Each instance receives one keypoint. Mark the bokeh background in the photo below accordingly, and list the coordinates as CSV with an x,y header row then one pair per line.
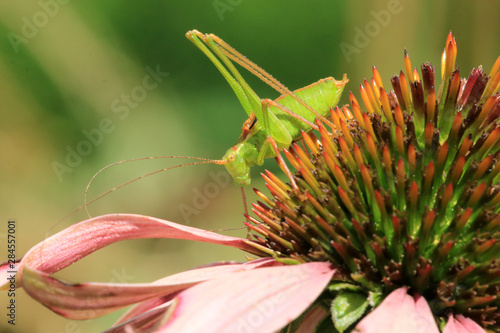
x,y
70,68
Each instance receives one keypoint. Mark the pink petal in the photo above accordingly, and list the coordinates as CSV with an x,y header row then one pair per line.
x,y
195,275
313,318
262,300
91,300
399,312
7,272
461,324
80,240
145,322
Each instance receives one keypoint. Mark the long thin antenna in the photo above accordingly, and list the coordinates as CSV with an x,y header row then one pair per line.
x,y
86,203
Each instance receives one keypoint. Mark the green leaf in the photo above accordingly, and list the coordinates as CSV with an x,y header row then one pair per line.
x,y
339,286
347,308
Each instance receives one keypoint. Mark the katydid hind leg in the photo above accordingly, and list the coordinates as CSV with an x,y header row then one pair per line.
x,y
264,76
197,38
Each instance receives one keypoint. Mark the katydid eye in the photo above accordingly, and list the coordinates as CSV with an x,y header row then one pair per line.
x,y
231,158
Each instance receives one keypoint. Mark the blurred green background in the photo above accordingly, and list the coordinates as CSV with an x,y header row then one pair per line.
x,y
67,67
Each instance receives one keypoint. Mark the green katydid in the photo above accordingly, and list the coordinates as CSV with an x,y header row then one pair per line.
x,y
271,126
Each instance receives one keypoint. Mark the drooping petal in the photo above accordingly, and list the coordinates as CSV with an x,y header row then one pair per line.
x,y
312,319
8,272
91,300
262,300
461,324
81,239
144,322
400,312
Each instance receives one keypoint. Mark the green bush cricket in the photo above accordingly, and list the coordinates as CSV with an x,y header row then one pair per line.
x,y
271,126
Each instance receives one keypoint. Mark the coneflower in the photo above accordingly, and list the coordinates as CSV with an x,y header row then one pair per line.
x,y
405,195
394,228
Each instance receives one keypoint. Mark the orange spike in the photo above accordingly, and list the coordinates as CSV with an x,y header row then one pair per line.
x,y
428,222
365,98
386,105
302,156
488,106
412,158
371,96
335,119
494,82
399,140
408,67
380,203
454,87
319,208
386,157
462,221
347,134
358,156
442,155
457,170
367,179
309,178
429,176
277,182
416,76
368,126
329,149
346,153
483,248
465,146
455,126
400,172
429,132
372,148
398,116
347,201
413,193
478,193
331,164
448,193
490,141
358,115
405,90
345,114
493,225
339,176
376,89
377,78
431,106
449,57
495,68
264,198
291,159
309,142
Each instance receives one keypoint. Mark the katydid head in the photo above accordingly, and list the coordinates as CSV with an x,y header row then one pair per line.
x,y
237,167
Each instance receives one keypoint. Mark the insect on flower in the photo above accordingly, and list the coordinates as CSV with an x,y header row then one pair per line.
x,y
271,125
